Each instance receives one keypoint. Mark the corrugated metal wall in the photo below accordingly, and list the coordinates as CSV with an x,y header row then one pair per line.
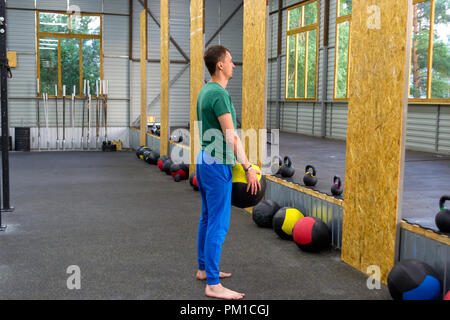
x,y
230,36
329,213
434,253
179,92
22,87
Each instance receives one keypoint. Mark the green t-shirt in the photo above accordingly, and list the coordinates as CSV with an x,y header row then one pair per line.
x,y
213,101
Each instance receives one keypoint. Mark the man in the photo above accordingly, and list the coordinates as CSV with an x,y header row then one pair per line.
x,y
216,112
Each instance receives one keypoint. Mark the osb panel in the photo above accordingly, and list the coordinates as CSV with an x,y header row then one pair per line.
x,y
254,66
143,48
425,232
196,70
164,114
375,133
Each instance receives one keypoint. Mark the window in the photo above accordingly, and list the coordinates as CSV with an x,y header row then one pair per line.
x,y
302,42
343,18
69,52
430,52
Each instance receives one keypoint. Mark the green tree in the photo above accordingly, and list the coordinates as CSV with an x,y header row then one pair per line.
x,y
420,48
343,30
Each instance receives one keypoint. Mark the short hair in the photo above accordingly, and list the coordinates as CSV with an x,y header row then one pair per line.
x,y
213,55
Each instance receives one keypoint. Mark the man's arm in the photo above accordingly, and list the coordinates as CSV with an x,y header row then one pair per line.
x,y
234,142
232,139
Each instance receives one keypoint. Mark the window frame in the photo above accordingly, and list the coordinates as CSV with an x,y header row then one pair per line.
x,y
305,29
339,20
428,99
68,35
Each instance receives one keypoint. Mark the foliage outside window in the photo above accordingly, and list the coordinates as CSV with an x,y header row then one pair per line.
x,y
302,42
69,51
430,51
343,19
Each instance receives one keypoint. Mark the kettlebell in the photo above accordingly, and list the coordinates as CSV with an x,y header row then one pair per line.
x,y
138,150
277,163
336,188
443,216
310,178
166,166
287,170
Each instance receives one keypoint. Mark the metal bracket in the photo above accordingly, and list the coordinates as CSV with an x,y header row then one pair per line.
x,y
4,64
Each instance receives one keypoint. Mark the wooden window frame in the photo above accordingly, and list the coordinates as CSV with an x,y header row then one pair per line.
x,y
68,35
428,99
339,20
297,31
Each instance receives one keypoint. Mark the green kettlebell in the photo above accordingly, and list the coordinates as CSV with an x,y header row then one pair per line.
x,y
287,170
442,218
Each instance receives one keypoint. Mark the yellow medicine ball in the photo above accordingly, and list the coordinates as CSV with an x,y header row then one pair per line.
x,y
239,196
284,221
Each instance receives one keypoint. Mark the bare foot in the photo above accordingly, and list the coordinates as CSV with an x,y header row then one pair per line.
x,y
220,292
201,275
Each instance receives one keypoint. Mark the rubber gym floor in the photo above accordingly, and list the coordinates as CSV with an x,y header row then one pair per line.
x,y
132,231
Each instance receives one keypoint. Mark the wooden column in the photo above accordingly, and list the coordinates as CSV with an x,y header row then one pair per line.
x,y
254,70
164,114
143,50
197,41
379,65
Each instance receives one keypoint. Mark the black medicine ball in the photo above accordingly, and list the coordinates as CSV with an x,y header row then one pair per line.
x,y
263,213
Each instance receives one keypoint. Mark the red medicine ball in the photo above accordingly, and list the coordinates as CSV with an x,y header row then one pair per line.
x,y
311,234
193,181
447,296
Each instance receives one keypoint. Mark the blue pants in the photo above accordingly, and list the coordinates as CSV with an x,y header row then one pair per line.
x,y
214,182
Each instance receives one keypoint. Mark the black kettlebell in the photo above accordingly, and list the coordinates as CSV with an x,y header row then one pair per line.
x,y
145,154
336,188
138,150
287,170
443,216
310,178
166,167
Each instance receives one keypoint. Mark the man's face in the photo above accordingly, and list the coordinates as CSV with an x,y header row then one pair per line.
x,y
226,65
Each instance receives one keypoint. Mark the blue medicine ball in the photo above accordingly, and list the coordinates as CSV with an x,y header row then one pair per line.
x,y
413,280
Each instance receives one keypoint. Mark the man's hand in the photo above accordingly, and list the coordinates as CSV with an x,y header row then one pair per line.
x,y
252,181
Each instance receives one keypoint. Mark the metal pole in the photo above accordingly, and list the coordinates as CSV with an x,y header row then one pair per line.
x,y
64,118
56,109
38,115
89,120
5,72
97,115
72,117
280,24
82,117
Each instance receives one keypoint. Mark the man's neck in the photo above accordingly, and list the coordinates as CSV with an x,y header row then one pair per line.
x,y
220,80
